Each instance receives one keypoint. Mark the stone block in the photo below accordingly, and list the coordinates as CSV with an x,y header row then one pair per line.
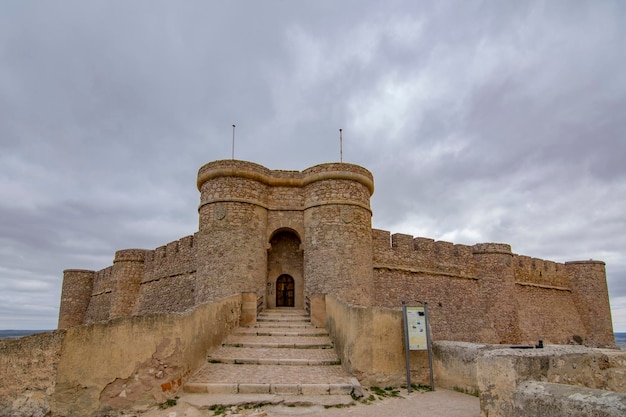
x,y
285,389
195,388
254,388
315,389
544,399
340,389
221,388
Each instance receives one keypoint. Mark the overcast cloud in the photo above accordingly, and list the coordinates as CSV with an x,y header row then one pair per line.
x,y
481,122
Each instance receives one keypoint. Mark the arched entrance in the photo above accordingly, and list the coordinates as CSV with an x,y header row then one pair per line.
x,y
285,291
285,284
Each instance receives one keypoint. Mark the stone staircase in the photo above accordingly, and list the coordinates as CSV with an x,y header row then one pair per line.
x,y
282,354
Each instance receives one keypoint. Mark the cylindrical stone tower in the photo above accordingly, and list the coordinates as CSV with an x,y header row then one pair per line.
x,y
127,275
75,297
497,279
338,232
231,241
591,295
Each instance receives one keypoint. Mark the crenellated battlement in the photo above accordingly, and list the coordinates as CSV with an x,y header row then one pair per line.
x,y
495,248
402,251
533,271
103,281
171,259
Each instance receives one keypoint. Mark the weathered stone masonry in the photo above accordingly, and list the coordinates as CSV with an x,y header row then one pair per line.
x,y
314,228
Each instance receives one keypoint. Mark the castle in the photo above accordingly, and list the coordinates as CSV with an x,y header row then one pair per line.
x,y
287,236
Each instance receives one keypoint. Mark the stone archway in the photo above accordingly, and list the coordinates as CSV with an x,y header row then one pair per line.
x,y
285,266
285,291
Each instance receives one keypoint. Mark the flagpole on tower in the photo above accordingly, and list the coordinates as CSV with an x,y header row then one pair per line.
x,y
340,145
233,142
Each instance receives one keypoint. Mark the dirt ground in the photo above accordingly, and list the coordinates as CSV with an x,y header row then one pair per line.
x,y
440,403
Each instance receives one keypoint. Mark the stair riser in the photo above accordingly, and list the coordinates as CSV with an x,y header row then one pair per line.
x,y
282,333
284,312
282,389
291,362
279,345
274,325
294,321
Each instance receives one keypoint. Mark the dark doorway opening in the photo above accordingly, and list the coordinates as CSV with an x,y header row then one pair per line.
x,y
285,291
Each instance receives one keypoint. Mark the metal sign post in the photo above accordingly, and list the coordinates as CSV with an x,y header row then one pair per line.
x,y
430,346
406,347
417,337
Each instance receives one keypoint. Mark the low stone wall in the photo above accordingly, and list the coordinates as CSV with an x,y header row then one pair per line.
x,y
510,382
544,399
138,361
502,373
370,344
27,373
129,363
455,365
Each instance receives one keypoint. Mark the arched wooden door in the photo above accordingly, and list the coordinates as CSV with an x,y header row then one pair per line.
x,y
285,289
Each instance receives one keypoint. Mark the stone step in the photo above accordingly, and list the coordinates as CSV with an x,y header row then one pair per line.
x,y
282,355
205,401
297,342
283,324
281,331
284,312
277,318
217,378
268,356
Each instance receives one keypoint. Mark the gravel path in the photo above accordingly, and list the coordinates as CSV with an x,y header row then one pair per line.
x,y
441,403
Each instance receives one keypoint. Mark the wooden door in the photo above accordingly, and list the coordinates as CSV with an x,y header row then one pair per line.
x,y
285,291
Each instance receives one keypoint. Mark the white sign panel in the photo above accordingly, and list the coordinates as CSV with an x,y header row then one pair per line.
x,y
416,323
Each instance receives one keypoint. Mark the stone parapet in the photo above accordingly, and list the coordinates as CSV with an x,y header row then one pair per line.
x,y
503,376
543,399
283,178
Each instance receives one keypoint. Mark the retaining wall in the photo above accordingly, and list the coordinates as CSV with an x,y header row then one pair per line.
x,y
370,344
128,363
28,368
571,377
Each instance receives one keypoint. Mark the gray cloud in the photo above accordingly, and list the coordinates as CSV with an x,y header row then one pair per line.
x,y
480,121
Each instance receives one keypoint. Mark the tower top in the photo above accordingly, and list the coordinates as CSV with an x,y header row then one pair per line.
x,y
285,178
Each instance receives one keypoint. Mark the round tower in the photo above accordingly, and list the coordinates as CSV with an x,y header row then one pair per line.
x,y
231,240
497,278
127,275
75,297
338,232
591,295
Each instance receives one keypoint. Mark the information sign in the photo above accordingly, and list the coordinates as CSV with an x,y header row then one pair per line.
x,y
417,337
416,322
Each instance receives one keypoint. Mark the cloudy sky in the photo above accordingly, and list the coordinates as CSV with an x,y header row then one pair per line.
x,y
481,122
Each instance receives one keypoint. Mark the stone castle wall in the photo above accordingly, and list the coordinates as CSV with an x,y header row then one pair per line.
x,y
168,282
256,224
485,293
101,298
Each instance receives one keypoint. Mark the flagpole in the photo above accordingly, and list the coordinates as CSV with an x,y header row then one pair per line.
x,y
341,145
233,155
